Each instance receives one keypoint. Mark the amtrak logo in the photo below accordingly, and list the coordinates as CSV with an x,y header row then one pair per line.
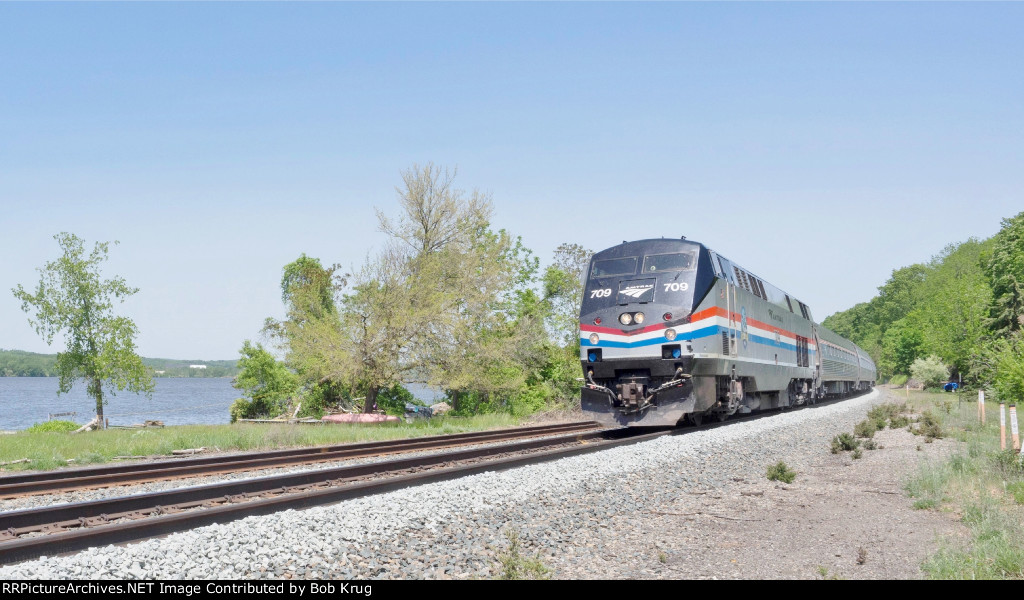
x,y
636,291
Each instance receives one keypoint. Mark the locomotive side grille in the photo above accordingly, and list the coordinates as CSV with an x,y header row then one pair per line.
x,y
725,342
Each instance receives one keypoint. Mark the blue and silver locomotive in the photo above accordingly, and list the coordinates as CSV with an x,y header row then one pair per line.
x,y
670,331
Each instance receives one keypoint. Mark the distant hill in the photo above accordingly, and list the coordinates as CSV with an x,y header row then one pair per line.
x,y
18,363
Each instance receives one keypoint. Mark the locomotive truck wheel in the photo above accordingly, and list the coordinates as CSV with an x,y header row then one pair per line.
x,y
695,418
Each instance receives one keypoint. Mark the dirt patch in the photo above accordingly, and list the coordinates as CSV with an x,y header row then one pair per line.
x,y
841,518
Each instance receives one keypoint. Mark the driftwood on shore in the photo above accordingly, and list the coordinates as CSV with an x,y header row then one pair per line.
x,y
15,462
89,426
188,451
139,425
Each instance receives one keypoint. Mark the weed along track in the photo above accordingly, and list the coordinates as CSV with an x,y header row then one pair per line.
x,y
14,486
27,534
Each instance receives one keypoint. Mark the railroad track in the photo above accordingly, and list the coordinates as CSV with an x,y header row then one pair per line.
x,y
13,486
28,534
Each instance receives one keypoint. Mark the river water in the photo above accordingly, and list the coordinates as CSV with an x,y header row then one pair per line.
x,y
176,401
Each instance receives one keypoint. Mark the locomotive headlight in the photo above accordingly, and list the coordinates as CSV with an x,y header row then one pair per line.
x,y
594,339
638,318
670,334
625,318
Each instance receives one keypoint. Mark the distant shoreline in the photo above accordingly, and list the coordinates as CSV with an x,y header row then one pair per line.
x,y
19,363
155,376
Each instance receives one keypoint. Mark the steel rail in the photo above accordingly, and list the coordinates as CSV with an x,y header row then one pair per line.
x,y
295,491
36,483
333,488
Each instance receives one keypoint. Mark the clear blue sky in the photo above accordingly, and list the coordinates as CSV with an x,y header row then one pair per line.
x,y
819,145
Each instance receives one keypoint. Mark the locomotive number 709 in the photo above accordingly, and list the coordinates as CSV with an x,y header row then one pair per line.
x,y
676,287
601,293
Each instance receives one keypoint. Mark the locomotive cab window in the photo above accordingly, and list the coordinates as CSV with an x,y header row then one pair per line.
x,y
614,266
655,263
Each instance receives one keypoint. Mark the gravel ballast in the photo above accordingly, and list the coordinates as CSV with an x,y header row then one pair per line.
x,y
645,510
85,495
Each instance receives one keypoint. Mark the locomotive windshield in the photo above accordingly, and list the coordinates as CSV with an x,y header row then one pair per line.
x,y
614,266
684,261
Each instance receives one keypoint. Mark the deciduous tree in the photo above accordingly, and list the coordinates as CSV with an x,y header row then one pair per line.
x,y
74,300
1006,275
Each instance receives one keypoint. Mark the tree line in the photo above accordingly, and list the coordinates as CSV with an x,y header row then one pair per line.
x,y
19,363
448,301
964,309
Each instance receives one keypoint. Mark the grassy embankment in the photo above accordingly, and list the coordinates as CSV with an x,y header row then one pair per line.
x,y
980,484
51,450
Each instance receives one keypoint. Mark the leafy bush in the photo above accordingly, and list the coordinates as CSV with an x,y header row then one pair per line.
x,y
252,409
899,422
844,442
865,429
929,426
870,445
267,383
51,426
930,371
1009,376
889,410
857,453
898,380
315,400
780,472
392,400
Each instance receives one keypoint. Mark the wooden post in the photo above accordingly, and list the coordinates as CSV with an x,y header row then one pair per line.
x,y
1013,428
908,392
981,405
1002,426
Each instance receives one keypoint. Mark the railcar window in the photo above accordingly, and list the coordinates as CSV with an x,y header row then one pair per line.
x,y
655,263
614,266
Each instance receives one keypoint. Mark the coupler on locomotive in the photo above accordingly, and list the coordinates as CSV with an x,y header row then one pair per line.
x,y
632,400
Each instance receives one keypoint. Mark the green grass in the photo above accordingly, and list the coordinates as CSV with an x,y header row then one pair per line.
x,y
51,450
981,484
